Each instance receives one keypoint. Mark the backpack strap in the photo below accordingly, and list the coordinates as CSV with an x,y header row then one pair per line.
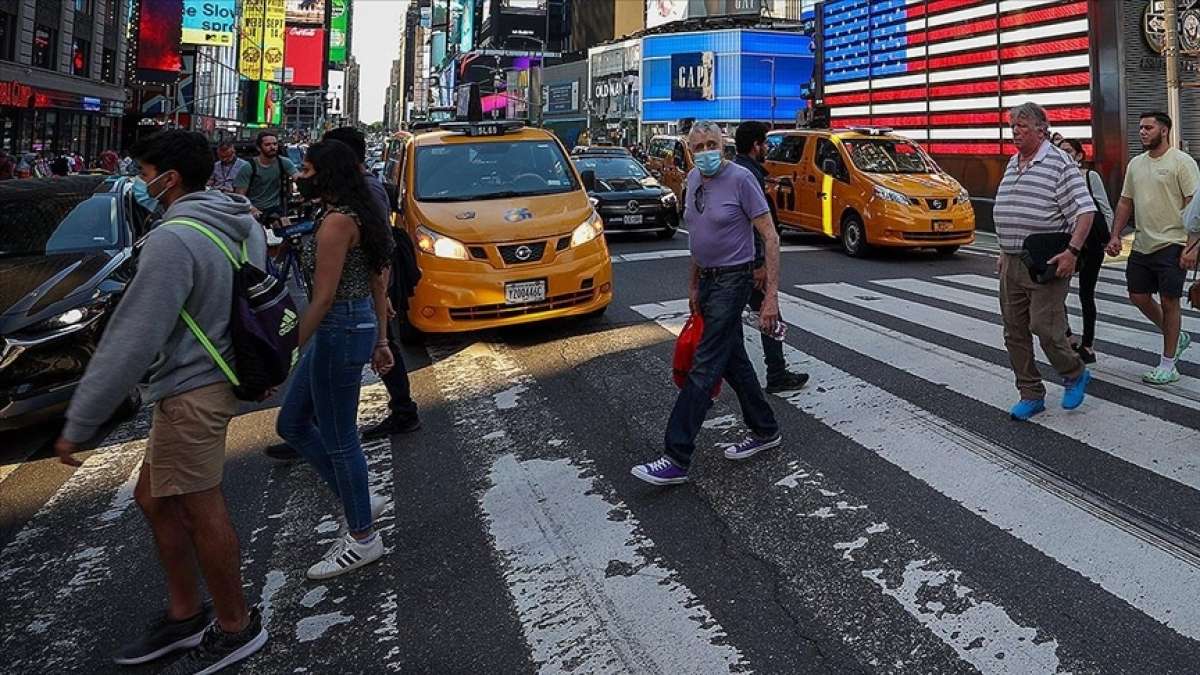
x,y
204,229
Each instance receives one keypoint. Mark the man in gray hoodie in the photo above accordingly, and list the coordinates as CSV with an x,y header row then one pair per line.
x,y
179,487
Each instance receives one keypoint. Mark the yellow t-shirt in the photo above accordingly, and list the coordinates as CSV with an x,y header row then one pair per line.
x,y
1158,188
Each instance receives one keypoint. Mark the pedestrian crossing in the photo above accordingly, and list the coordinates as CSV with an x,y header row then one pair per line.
x,y
907,525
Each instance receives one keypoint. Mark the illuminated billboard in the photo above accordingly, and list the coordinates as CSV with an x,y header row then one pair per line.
x,y
339,19
158,38
260,54
263,103
306,12
659,12
209,22
946,75
304,56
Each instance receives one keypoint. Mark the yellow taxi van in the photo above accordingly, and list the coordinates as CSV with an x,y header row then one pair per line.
x,y
669,159
867,188
503,228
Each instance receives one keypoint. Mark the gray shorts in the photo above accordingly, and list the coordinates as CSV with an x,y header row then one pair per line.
x,y
1158,272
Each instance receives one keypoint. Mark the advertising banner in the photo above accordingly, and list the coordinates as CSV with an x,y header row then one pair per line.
x,y
339,17
337,92
562,98
693,76
209,22
273,41
303,56
263,103
254,13
158,38
659,12
306,12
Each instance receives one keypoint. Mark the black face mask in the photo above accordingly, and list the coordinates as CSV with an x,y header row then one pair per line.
x,y
307,187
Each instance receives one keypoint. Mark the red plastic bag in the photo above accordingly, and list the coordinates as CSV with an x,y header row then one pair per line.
x,y
685,351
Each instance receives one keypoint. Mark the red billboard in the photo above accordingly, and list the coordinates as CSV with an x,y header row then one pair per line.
x,y
304,56
159,31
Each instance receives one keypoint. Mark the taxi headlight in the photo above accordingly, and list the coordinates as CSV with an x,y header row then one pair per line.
x,y
963,197
588,230
440,245
891,195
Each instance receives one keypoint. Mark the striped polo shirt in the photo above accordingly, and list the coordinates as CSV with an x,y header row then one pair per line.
x,y
1047,197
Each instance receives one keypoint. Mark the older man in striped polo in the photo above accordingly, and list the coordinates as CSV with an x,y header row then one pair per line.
x,y
1042,191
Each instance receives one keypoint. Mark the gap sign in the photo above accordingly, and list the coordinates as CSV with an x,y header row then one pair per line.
x,y
209,22
693,76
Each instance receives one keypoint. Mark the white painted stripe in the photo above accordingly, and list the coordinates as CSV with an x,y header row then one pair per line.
x,y
982,633
974,103
1114,273
1079,61
978,42
1113,429
639,256
1079,96
850,111
964,74
892,108
1118,371
986,9
1122,310
1044,31
966,134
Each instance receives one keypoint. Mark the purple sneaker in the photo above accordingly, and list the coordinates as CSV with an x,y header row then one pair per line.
x,y
752,446
661,471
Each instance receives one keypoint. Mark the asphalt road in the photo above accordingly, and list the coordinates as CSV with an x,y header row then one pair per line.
x,y
905,526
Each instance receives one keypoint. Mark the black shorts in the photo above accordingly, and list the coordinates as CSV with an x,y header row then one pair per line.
x,y
1157,272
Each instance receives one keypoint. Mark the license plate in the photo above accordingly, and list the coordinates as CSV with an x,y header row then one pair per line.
x,y
632,220
943,225
523,292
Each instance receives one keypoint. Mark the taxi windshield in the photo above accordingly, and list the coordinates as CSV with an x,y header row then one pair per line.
x,y
459,172
887,156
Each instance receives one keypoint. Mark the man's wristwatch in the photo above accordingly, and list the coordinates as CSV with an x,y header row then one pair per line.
x,y
1074,251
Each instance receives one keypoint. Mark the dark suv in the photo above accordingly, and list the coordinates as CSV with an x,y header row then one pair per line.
x,y
626,196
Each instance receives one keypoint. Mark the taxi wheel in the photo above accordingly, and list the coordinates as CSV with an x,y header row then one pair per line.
x,y
946,251
854,237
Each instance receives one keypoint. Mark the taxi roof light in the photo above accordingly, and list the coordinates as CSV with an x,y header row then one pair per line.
x,y
496,128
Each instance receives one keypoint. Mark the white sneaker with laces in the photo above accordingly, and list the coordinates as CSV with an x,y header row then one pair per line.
x,y
379,504
347,554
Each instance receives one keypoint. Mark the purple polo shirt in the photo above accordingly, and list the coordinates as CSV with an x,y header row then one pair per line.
x,y
723,235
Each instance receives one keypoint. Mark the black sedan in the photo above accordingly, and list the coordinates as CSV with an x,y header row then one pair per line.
x,y
66,254
627,196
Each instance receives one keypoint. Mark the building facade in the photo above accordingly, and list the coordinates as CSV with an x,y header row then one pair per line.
x,y
353,71
62,75
564,97
614,96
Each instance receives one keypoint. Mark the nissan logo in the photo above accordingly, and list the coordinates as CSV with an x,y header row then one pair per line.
x,y
523,253
939,204
632,206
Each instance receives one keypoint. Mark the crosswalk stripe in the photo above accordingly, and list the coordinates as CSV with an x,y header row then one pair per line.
x,y
1123,372
978,473
552,527
1121,310
639,256
1121,291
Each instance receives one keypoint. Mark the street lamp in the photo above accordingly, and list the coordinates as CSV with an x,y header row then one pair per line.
x,y
772,62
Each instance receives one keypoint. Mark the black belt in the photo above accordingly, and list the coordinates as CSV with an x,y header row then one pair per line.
x,y
728,269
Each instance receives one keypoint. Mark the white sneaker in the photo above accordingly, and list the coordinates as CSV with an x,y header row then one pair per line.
x,y
379,504
347,554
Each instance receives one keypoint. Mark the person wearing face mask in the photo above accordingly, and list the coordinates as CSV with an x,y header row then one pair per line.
x,y
226,168
1093,250
751,140
725,207
179,485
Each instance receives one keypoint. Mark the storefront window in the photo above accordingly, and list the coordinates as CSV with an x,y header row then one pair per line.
x,y
8,36
81,57
44,41
85,6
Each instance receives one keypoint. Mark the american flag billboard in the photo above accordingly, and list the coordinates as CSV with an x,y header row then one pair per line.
x,y
946,72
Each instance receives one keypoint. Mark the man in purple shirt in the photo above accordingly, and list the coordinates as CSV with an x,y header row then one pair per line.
x,y
725,207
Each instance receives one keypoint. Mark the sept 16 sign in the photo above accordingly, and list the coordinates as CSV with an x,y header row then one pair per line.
x,y
693,76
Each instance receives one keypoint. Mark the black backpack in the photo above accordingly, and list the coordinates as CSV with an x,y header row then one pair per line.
x,y
263,325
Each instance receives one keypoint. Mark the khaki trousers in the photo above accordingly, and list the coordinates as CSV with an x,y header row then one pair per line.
x,y
1029,309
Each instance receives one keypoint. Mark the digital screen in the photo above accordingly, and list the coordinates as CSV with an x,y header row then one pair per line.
x,y
303,56
339,19
947,75
209,22
158,36
307,12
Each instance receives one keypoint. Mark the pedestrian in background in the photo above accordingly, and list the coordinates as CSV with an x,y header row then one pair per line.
x,y
1093,250
226,168
61,166
109,162
179,485
751,141
343,329
1159,185
727,206
1042,191
267,179
7,166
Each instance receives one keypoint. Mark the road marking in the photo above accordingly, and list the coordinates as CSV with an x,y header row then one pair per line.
x,y
684,253
979,631
588,593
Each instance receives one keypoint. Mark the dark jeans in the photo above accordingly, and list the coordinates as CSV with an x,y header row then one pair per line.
x,y
721,354
399,394
772,348
319,416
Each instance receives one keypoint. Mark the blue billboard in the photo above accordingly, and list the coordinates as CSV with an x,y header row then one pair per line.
x,y
731,70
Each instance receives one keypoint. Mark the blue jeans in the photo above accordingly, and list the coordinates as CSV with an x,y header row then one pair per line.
x,y
319,416
721,354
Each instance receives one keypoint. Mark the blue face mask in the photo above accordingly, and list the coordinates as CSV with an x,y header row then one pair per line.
x,y
709,162
141,193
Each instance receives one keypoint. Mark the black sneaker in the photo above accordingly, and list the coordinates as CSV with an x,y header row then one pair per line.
x,y
789,381
281,452
164,636
391,425
219,649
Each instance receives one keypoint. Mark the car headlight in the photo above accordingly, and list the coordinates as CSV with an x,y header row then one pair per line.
x,y
71,319
668,199
891,195
963,197
440,245
588,230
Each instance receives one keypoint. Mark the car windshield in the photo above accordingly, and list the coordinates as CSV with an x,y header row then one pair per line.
x,y
887,156
460,172
40,229
613,173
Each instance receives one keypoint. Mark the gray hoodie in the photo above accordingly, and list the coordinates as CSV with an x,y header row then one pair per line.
x,y
178,268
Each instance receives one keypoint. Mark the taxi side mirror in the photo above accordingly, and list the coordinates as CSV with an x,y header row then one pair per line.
x,y
589,180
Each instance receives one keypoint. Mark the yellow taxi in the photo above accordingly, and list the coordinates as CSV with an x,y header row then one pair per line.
x,y
504,231
868,188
